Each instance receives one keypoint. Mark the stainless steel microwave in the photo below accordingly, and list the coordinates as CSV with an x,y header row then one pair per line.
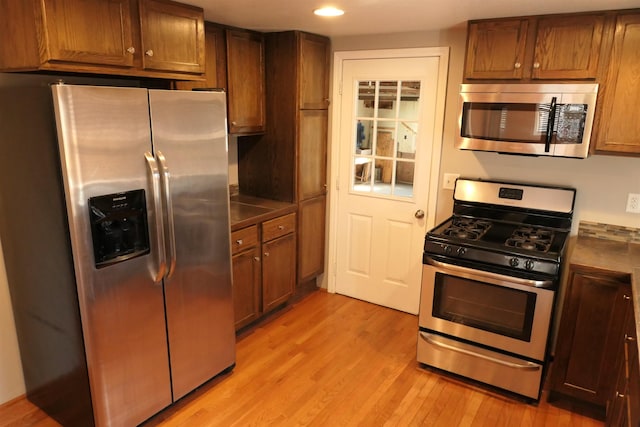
x,y
527,119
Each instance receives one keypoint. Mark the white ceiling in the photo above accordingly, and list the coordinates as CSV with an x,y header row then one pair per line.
x,y
383,16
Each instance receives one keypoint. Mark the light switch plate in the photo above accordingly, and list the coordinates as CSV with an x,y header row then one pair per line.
x,y
449,181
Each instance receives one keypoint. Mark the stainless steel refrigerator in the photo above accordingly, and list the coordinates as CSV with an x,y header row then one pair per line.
x,y
114,220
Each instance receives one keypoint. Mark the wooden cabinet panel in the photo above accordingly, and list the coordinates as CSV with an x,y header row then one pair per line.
x,y
87,31
589,339
246,286
246,81
313,63
215,61
147,38
278,271
617,124
172,37
495,49
244,239
312,158
567,47
311,238
277,227
559,47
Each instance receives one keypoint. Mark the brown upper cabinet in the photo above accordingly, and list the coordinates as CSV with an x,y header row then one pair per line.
x,y
617,127
557,47
215,70
245,82
149,38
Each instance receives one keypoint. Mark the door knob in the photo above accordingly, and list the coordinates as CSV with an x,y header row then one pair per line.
x,y
419,214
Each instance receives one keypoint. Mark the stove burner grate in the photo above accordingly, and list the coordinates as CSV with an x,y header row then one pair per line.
x,y
531,239
467,228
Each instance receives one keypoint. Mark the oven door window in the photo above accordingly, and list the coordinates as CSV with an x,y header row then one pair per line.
x,y
497,309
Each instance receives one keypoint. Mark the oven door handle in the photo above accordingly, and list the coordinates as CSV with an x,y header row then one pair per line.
x,y
526,366
488,274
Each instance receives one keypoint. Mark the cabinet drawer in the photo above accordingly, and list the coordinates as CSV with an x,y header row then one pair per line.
x,y
278,227
244,239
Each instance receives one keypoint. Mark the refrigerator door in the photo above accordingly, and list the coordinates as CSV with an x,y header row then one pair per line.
x,y
190,143
103,134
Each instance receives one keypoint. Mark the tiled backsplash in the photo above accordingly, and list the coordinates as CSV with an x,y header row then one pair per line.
x,y
609,232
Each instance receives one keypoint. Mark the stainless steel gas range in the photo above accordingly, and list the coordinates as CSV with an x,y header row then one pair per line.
x,y
490,277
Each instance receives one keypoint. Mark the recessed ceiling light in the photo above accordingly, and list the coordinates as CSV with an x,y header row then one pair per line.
x,y
329,11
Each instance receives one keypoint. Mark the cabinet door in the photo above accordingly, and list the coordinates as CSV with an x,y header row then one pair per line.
x,y
313,65
87,31
246,82
215,61
590,338
278,271
617,124
495,50
246,287
312,153
311,241
172,37
567,47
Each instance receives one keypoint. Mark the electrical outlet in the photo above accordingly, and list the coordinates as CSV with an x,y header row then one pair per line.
x,y
633,203
449,181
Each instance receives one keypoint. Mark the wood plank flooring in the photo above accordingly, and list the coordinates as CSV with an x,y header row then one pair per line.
x,y
330,360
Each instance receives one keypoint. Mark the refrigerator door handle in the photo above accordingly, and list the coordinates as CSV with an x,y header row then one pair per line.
x,y
171,238
161,260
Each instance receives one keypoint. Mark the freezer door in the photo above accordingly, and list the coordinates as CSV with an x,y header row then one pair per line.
x,y
103,133
190,143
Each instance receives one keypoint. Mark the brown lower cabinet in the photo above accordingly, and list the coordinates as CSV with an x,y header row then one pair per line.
x,y
264,267
623,408
590,341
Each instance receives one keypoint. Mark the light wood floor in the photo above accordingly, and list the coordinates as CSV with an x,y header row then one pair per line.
x,y
334,361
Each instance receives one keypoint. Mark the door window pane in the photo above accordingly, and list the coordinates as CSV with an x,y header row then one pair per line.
x,y
385,137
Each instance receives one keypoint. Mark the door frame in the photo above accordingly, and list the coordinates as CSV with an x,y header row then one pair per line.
x,y
442,53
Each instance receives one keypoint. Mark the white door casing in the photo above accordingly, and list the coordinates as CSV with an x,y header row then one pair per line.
x,y
375,238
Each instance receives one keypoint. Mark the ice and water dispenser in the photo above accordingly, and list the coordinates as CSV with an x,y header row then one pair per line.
x,y
118,227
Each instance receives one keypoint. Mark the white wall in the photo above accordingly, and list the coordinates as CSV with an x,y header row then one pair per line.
x,y
11,380
602,182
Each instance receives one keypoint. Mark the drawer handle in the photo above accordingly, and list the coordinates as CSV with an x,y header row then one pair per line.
x,y
239,241
281,227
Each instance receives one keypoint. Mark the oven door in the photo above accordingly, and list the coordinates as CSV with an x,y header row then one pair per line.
x,y
501,312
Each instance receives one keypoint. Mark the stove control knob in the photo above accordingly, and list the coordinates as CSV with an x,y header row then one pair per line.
x,y
461,251
513,262
447,249
529,264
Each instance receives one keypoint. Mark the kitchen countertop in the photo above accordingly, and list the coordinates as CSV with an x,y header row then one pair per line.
x,y
613,257
249,210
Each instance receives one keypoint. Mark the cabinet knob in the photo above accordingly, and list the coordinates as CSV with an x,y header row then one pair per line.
x,y
517,65
149,52
234,123
536,65
626,297
629,338
281,227
256,258
266,254
131,50
620,395
239,241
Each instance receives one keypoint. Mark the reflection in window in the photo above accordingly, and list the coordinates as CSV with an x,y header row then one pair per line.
x,y
385,137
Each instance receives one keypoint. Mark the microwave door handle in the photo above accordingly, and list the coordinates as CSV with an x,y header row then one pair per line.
x,y
550,124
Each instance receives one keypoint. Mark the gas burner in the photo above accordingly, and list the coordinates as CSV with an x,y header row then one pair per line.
x,y
467,228
531,239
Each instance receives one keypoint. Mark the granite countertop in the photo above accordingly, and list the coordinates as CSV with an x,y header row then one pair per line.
x,y
249,210
615,250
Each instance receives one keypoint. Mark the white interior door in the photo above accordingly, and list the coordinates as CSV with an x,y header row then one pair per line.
x,y
390,126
